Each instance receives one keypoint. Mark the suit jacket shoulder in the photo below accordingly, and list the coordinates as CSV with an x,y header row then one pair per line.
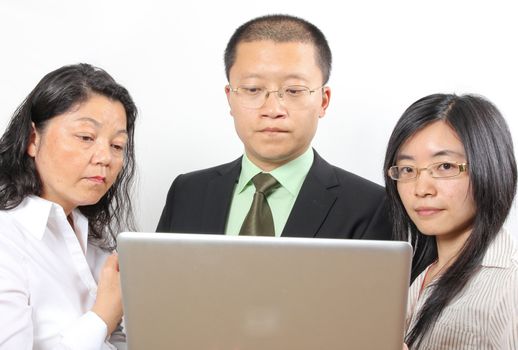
x,y
335,203
199,201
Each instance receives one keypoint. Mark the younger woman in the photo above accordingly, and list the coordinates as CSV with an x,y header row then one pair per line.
x,y
450,175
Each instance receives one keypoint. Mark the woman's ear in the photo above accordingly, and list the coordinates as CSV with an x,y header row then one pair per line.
x,y
34,141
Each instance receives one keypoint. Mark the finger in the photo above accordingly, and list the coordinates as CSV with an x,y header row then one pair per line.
x,y
112,262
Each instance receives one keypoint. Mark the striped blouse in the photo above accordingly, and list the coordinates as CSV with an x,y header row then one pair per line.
x,y
484,315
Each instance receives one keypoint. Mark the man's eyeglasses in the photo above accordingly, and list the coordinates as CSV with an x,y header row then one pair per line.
x,y
437,170
292,97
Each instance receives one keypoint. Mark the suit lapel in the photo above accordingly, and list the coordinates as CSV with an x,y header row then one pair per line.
x,y
218,198
314,201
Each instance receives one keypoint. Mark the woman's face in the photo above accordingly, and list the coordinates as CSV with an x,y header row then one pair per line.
x,y
79,153
438,206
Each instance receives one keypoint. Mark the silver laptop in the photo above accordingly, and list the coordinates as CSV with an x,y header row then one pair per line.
x,y
215,292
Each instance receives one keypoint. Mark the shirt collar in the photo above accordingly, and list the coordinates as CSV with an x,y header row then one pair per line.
x,y
248,171
290,175
80,228
41,211
33,214
500,251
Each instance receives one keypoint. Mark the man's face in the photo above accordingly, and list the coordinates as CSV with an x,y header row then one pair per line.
x,y
275,133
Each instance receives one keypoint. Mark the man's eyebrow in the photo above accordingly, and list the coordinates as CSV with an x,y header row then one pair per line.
x,y
286,77
296,76
251,75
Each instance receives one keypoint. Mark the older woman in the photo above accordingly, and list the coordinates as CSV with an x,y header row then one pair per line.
x,y
66,168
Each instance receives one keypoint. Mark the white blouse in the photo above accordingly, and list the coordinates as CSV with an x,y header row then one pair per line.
x,y
484,315
48,280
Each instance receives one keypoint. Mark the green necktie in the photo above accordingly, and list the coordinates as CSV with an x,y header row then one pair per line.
x,y
259,220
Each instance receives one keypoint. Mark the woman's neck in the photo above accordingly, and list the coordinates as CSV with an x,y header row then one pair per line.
x,y
449,247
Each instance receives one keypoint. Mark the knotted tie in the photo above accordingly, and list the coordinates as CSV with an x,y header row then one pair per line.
x,y
259,220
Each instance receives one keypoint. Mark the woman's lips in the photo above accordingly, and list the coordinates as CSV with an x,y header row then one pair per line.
x,y
427,211
97,179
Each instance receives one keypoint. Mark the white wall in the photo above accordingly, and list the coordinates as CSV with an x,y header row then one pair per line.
x,y
169,55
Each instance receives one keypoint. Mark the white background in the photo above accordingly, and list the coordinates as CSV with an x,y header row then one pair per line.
x,y
169,55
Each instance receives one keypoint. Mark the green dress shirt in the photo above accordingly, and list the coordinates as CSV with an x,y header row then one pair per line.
x,y
290,176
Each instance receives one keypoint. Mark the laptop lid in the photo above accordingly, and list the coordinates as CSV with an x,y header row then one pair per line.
x,y
215,292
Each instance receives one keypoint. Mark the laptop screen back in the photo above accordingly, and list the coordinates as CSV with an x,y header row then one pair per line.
x,y
183,291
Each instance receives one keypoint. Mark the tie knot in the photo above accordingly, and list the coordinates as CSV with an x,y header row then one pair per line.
x,y
264,183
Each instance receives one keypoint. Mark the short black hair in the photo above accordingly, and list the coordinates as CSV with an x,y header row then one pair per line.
x,y
281,28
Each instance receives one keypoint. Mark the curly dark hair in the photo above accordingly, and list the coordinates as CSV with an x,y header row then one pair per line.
x,y
55,94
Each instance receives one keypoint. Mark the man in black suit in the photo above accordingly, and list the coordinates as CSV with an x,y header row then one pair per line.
x,y
277,67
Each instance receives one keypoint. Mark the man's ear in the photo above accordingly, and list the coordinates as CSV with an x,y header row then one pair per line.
x,y
34,141
326,97
227,93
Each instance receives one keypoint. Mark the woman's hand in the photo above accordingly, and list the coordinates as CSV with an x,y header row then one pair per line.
x,y
405,347
108,305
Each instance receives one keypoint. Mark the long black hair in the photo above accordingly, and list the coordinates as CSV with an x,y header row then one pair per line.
x,y
492,173
56,93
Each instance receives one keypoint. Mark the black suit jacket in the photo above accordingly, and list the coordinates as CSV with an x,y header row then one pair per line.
x,y
332,203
